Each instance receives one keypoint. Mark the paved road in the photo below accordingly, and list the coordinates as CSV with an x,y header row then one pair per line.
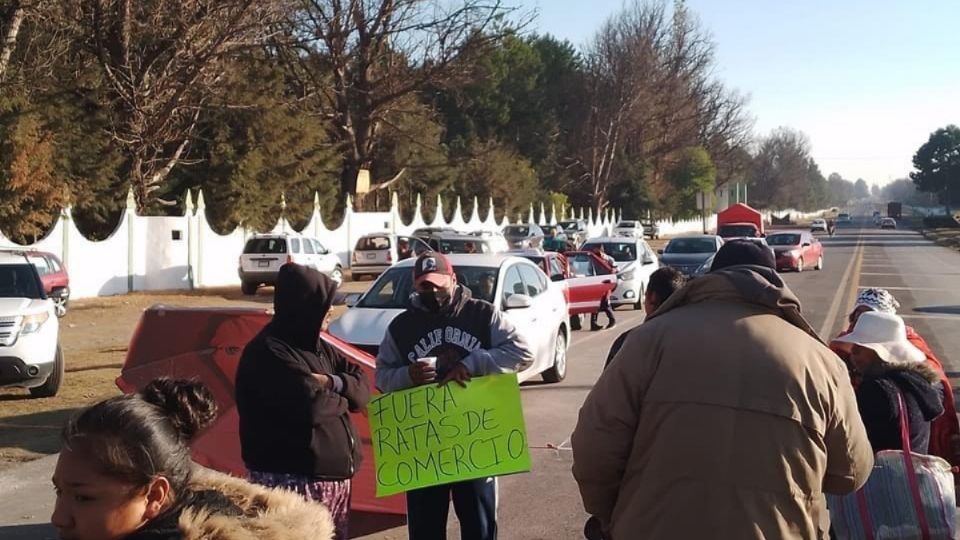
x,y
544,503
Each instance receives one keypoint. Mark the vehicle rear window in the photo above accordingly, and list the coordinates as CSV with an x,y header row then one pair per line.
x,y
691,245
374,243
517,231
627,225
19,281
463,246
393,289
620,251
783,239
266,245
737,230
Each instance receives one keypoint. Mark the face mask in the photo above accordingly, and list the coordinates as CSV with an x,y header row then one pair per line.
x,y
435,300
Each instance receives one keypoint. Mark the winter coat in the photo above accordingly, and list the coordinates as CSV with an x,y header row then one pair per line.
x,y
723,416
879,408
945,429
289,422
222,507
472,331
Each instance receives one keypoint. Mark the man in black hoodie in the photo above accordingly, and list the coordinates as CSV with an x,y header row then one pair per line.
x,y
467,337
294,394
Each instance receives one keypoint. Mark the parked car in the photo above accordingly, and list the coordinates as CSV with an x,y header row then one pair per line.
x,y
844,219
651,230
576,230
628,228
56,281
459,243
529,235
584,278
692,255
888,223
264,254
496,240
635,261
794,250
818,225
516,286
30,353
376,252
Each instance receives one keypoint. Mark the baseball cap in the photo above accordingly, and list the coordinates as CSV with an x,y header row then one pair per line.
x,y
737,252
434,268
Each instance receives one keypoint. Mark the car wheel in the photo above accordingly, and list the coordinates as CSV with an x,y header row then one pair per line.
x,y
337,275
576,321
248,288
800,265
60,306
559,370
820,263
638,305
51,386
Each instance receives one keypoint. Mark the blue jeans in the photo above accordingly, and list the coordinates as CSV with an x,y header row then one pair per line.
x,y
474,501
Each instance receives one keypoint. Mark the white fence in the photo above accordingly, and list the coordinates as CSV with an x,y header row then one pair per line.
x,y
184,252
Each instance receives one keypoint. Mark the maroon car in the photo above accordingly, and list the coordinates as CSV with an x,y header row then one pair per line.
x,y
56,281
796,250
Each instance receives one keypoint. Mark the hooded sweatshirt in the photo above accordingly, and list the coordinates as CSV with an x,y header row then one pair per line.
x,y
877,400
289,422
471,330
724,407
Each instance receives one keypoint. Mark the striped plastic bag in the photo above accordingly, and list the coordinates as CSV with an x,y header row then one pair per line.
x,y
908,496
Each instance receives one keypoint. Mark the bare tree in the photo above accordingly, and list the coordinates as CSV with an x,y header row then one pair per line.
x,y
358,61
161,61
12,14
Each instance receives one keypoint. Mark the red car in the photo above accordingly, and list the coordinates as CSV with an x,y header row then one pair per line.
x,y
796,250
56,281
207,347
586,279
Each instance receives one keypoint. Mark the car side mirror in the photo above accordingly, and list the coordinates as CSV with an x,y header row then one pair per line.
x,y
517,301
352,299
807,244
659,252
557,277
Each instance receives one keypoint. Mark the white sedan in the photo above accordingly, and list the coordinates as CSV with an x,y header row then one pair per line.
x,y
635,261
516,286
818,225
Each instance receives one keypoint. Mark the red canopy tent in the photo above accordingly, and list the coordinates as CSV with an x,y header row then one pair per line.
x,y
740,213
205,344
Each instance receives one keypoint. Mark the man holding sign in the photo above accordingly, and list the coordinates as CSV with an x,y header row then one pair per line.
x,y
448,336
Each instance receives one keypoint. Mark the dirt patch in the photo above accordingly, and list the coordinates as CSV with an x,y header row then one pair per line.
x,y
949,238
94,336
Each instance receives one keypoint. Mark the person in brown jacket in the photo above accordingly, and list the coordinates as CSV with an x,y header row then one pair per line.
x,y
723,416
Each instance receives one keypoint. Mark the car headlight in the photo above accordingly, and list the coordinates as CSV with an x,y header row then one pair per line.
x,y
32,323
626,276
703,268
794,253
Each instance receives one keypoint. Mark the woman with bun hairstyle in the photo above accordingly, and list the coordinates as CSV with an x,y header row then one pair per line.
x,y
125,472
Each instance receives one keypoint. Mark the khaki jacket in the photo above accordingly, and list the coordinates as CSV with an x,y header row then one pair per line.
x,y
723,416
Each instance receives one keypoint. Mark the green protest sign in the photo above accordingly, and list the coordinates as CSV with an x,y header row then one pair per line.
x,y
433,435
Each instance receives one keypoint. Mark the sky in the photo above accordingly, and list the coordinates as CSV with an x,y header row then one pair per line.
x,y
866,81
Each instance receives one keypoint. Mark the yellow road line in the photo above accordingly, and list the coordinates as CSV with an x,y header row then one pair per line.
x,y
848,284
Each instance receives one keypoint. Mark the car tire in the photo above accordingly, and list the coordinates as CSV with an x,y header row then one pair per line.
x,y
337,275
60,305
638,305
576,321
800,265
819,263
51,386
558,371
248,288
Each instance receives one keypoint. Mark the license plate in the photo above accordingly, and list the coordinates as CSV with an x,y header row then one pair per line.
x,y
371,255
263,264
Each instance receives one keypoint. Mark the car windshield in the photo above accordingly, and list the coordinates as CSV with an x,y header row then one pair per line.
x,y
463,246
569,225
627,225
516,230
19,281
393,289
783,239
729,231
620,251
266,245
691,245
373,243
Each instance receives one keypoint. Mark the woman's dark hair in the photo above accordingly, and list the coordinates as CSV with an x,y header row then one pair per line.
x,y
664,282
135,438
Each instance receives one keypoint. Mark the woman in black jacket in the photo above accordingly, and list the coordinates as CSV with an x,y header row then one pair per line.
x,y
294,395
888,366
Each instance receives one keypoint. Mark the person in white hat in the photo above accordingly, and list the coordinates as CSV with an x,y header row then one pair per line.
x,y
945,430
887,364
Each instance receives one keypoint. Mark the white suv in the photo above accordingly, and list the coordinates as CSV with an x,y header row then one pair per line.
x,y
264,254
30,355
